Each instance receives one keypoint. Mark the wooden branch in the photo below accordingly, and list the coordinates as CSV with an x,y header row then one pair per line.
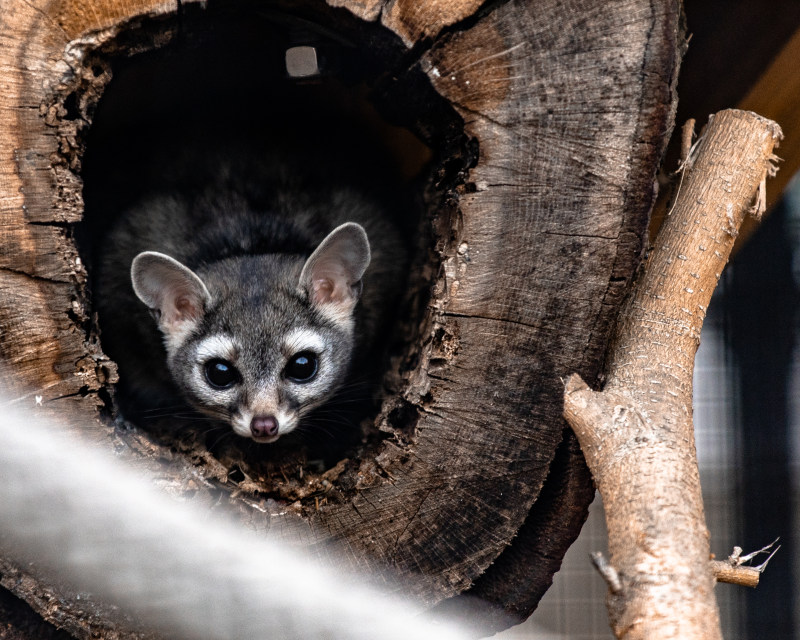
x,y
776,94
735,574
637,434
734,571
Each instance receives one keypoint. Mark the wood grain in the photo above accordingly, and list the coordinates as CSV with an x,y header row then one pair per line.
x,y
565,108
414,21
557,202
637,433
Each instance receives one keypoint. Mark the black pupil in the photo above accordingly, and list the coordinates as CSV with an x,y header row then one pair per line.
x,y
301,367
221,374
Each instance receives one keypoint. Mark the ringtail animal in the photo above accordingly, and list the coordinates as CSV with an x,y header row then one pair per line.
x,y
253,306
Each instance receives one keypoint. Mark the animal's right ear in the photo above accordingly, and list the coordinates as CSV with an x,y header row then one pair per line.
x,y
176,295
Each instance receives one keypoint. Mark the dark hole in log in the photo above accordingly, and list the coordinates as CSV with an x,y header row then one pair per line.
x,y
216,77
71,107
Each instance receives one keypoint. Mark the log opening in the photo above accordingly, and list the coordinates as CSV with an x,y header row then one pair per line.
x,y
538,209
215,84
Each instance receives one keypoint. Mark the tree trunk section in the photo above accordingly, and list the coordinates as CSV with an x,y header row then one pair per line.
x,y
562,111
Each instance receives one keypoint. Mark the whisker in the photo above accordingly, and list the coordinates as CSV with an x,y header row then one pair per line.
x,y
163,408
182,417
220,439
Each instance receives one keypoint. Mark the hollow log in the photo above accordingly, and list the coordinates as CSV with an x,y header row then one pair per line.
x,y
548,121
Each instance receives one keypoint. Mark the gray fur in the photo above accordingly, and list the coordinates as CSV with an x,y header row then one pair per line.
x,y
249,278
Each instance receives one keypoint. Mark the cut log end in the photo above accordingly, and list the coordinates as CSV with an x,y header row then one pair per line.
x,y
523,260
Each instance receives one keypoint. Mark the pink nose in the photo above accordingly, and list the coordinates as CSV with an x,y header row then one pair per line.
x,y
264,426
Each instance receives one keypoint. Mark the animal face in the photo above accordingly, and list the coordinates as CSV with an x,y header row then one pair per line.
x,y
250,342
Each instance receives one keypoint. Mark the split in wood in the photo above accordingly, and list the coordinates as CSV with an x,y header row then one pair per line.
x,y
687,137
607,572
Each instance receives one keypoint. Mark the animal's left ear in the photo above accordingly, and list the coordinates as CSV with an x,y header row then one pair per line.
x,y
331,276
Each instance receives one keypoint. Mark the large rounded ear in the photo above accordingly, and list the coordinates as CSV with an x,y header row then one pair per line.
x,y
172,291
331,276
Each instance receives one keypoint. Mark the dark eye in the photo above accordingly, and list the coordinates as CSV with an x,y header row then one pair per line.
x,y
221,374
301,367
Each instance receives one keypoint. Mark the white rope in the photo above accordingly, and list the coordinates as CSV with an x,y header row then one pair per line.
x,y
82,516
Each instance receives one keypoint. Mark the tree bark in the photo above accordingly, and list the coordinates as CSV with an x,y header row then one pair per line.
x,y
637,434
550,122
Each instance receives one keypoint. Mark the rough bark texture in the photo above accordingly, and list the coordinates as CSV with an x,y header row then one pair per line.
x,y
724,571
637,434
566,106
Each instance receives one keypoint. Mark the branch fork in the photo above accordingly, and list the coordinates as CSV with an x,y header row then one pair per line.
x,y
637,434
